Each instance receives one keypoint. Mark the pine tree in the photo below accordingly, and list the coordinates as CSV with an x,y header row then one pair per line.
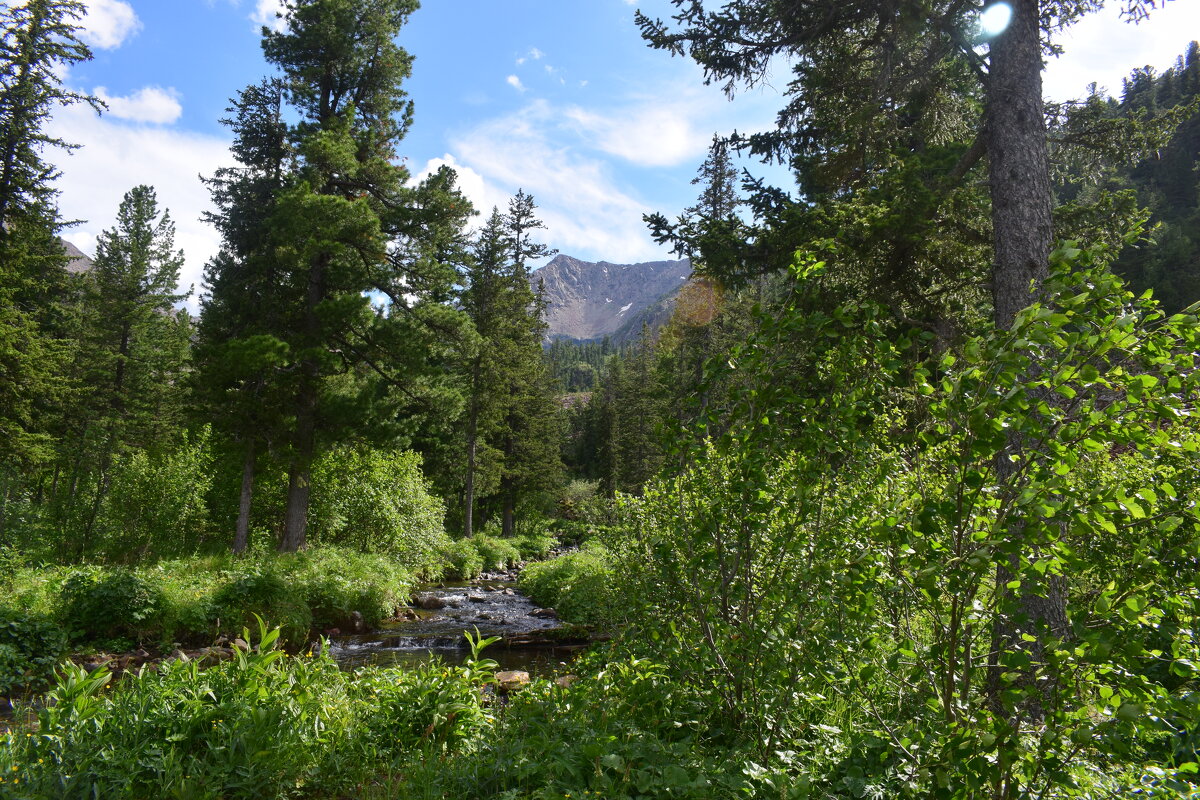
x,y
338,221
239,357
38,40
639,411
133,355
717,177
532,428
486,298
513,418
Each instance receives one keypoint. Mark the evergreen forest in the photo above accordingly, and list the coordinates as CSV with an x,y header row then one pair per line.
x,y
902,502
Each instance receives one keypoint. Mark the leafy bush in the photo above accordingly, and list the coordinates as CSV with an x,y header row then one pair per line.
x,y
157,503
534,546
335,582
464,560
625,729
113,608
30,649
989,575
579,586
377,501
581,501
497,553
263,725
192,600
262,591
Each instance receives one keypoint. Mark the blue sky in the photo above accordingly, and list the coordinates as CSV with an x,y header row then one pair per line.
x,y
559,97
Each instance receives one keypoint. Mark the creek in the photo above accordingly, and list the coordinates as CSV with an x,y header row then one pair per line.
x,y
530,639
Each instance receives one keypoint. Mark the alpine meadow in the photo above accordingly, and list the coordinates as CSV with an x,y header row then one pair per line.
x,y
721,399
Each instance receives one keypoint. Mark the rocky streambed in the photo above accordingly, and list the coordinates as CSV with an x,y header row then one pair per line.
x,y
531,638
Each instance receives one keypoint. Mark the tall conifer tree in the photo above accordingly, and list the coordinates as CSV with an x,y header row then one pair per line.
x,y
341,222
513,434
38,39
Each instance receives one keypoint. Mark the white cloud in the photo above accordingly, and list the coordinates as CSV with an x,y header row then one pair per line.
x,y
1103,48
586,211
649,135
270,13
533,53
108,23
515,82
483,196
148,104
115,157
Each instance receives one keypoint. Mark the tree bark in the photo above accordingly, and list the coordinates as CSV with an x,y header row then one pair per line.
x,y
241,537
1019,165
1019,171
472,446
307,397
508,521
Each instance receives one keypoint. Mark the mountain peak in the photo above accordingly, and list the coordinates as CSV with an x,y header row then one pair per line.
x,y
592,299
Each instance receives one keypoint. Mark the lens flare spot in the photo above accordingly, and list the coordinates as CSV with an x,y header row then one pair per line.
x,y
995,18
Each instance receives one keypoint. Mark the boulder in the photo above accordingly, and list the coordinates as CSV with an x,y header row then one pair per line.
x,y
511,680
430,602
544,613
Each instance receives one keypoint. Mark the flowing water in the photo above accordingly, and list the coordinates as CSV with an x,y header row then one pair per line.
x,y
494,608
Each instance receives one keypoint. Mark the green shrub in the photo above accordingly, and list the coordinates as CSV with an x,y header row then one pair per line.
x,y
575,533
579,586
336,582
264,725
625,729
192,600
30,649
377,501
114,608
581,501
157,503
535,546
464,560
496,553
263,592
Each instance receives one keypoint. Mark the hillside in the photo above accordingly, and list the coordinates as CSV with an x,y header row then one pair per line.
x,y
590,300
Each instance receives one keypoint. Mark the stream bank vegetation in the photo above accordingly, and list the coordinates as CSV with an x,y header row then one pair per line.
x,y
902,502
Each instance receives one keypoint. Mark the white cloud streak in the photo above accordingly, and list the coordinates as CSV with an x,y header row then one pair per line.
x,y
270,13
107,24
114,157
585,210
1104,49
649,135
515,82
148,104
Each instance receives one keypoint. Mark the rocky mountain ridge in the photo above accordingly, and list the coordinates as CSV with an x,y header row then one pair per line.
x,y
590,300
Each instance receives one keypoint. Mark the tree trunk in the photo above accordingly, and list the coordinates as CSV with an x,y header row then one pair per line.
x,y
295,527
307,397
1019,168
241,537
1019,165
472,445
508,523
